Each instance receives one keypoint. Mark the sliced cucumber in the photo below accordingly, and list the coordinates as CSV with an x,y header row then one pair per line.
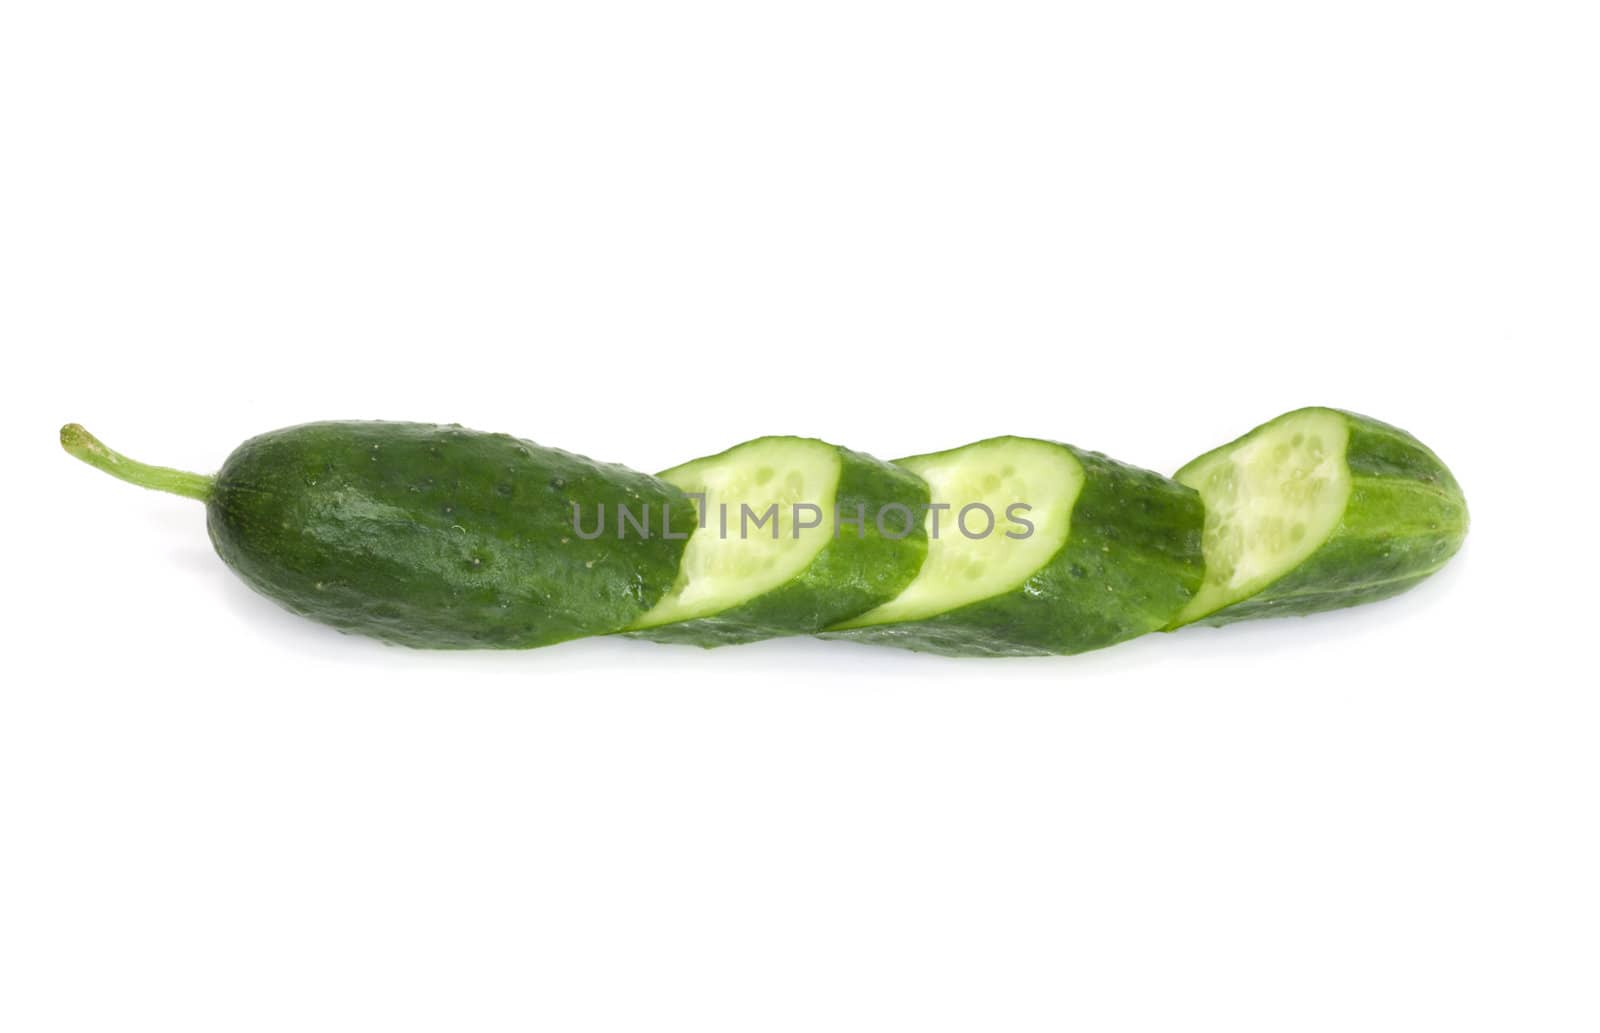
x,y
1083,552
772,555
1317,510
429,536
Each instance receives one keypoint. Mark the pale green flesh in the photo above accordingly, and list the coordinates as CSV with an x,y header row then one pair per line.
x,y
1271,501
729,563
961,569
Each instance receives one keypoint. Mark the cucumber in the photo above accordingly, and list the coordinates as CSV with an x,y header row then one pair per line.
x,y
1319,509
430,536
440,537
1083,552
844,533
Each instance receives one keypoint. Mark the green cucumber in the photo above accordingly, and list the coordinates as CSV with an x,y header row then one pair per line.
x,y
430,536
1319,509
795,534
1083,552
440,537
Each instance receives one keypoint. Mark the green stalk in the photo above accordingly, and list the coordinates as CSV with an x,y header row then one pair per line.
x,y
86,446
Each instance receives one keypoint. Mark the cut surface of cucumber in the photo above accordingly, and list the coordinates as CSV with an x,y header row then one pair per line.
x,y
1113,552
769,557
996,475
1319,509
728,561
1271,501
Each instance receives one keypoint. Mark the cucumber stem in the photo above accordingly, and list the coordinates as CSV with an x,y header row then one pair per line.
x,y
86,446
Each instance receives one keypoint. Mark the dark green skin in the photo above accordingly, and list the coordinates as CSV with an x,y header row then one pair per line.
x,y
851,575
439,537
1406,517
1131,561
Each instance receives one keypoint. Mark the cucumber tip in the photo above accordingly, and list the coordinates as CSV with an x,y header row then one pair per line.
x,y
74,437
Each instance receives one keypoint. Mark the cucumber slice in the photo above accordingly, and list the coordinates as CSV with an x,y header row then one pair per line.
x,y
1317,510
1099,553
439,537
771,556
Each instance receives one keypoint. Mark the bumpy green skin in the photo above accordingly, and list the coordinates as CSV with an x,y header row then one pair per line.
x,y
1131,561
851,575
440,537
1406,517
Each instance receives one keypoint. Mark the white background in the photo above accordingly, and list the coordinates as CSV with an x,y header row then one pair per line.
x,y
647,231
